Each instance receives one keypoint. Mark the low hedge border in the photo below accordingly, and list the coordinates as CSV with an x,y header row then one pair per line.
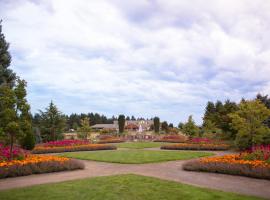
x,y
227,168
197,147
90,147
39,168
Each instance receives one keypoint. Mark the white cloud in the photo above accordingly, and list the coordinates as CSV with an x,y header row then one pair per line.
x,y
146,58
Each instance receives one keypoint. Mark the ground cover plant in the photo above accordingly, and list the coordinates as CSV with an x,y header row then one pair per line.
x,y
253,163
124,187
139,145
135,156
173,138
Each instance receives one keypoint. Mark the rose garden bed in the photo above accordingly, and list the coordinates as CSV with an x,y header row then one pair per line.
x,y
172,139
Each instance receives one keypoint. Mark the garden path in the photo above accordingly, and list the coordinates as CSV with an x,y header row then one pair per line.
x,y
171,170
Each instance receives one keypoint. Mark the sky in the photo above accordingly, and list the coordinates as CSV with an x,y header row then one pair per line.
x,y
145,58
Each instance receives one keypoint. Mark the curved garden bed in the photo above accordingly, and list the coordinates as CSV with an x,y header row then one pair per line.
x,y
198,147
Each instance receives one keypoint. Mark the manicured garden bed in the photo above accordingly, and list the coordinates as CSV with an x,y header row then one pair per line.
x,y
70,146
254,163
198,146
139,145
110,139
125,187
172,139
135,156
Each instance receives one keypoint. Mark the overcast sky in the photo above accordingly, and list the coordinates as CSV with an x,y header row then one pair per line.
x,y
150,58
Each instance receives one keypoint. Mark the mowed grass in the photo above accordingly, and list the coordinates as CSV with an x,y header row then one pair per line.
x,y
135,156
140,145
120,187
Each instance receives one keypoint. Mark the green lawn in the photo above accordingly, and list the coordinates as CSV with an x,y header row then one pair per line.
x,y
139,145
135,156
120,187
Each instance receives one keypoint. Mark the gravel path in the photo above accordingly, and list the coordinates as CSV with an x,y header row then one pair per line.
x,y
171,170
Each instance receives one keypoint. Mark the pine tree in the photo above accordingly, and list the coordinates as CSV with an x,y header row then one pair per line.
x,y
7,76
190,127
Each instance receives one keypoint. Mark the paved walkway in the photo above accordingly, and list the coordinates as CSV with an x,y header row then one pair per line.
x,y
171,170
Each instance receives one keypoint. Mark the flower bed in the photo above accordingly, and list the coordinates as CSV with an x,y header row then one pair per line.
x,y
37,164
63,143
199,146
109,139
87,147
252,163
172,139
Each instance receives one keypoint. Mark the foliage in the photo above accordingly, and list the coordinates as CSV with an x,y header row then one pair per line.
x,y
217,118
190,127
121,123
156,124
248,123
36,164
15,117
164,126
139,145
266,101
83,147
28,141
85,128
51,122
7,76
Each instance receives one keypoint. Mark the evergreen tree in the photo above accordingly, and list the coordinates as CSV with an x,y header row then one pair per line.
x,y
15,117
121,123
7,76
156,124
164,126
190,127
52,123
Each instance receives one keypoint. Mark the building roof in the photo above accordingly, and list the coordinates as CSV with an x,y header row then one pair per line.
x,y
108,126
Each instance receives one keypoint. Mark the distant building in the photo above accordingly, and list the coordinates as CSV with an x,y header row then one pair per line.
x,y
130,125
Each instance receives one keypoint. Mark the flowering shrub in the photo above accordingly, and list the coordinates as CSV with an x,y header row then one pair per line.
x,y
172,138
18,153
261,152
59,149
36,164
64,143
238,164
198,146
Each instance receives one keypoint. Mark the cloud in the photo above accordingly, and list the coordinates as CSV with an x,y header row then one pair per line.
x,y
143,58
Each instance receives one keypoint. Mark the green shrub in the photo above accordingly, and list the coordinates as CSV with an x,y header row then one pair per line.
x,y
29,141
